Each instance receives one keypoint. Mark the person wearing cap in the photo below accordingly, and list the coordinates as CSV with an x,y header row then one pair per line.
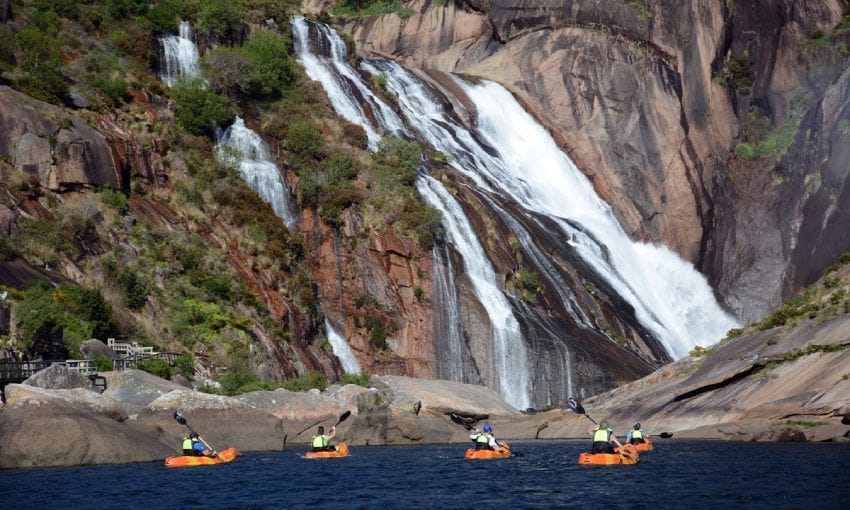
x,y
602,439
637,436
321,442
484,440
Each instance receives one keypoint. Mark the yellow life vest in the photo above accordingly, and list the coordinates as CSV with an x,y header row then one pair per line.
x,y
187,443
320,441
483,438
637,434
601,435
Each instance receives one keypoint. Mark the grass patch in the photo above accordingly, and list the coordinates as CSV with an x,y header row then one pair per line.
x,y
362,379
805,423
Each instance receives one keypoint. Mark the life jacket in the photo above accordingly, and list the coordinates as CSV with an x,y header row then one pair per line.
x,y
601,435
320,441
187,443
637,434
483,438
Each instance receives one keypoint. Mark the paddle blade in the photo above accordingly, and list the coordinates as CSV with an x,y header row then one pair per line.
x,y
575,406
666,435
343,417
179,417
460,421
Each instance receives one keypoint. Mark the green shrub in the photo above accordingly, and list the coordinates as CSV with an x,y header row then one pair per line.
x,y
164,16
68,312
199,110
114,199
229,71
418,293
216,19
304,140
40,62
405,12
306,382
362,379
134,289
274,68
185,366
103,364
155,366
6,250
745,151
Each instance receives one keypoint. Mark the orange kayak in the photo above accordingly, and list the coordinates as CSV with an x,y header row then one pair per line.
x,y
499,453
643,447
187,460
627,455
341,451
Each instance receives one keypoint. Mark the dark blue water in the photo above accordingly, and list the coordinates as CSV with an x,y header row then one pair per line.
x,y
676,474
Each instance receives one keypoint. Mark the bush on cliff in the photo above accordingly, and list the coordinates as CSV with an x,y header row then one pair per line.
x,y
362,379
199,110
306,382
70,312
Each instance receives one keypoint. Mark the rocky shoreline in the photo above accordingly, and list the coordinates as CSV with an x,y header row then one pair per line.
x,y
132,420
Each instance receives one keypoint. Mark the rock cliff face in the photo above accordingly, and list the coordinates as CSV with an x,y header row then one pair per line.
x,y
650,100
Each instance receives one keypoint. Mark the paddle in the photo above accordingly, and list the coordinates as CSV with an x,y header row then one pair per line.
x,y
460,421
344,416
577,408
182,421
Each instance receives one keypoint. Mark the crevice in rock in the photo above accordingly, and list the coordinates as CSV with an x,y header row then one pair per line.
x,y
711,387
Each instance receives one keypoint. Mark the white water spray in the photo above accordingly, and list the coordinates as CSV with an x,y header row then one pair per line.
x,y
344,87
342,350
514,155
509,355
180,55
257,168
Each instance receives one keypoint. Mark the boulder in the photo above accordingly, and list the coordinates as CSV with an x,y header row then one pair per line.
x,y
135,390
94,347
442,396
19,396
222,421
293,406
70,435
58,376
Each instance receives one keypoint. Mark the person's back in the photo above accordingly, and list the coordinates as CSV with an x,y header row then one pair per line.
x,y
602,438
636,436
188,447
321,442
484,440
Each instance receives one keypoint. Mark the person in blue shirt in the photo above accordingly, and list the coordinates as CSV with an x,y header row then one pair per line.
x,y
637,436
193,446
484,440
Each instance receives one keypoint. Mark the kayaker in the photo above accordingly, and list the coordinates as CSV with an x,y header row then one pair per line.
x,y
484,440
636,436
602,439
198,448
321,442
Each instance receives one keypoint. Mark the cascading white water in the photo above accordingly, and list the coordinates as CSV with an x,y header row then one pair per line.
x,y
343,85
342,350
347,91
509,353
257,168
512,154
448,337
180,55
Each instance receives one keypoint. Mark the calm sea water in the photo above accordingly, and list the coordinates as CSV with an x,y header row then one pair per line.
x,y
676,474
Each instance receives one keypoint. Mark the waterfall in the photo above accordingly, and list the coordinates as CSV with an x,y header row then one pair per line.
x,y
347,92
257,168
512,155
509,355
454,363
343,85
180,55
342,350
